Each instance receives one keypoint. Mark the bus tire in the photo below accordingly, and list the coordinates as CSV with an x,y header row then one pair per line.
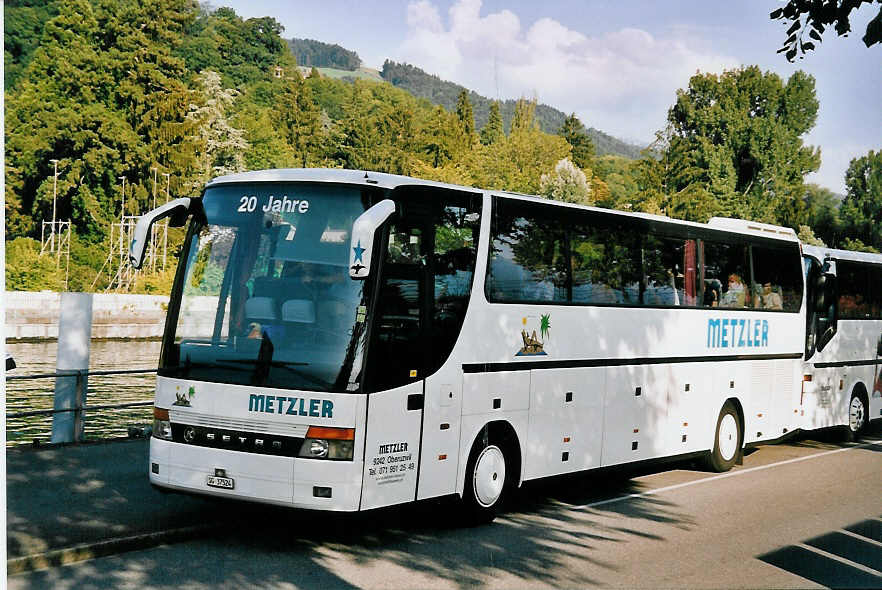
x,y
485,484
728,438
857,417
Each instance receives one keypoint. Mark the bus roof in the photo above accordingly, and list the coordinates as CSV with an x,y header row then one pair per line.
x,y
392,181
822,252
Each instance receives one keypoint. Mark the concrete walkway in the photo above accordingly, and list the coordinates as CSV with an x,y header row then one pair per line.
x,y
75,502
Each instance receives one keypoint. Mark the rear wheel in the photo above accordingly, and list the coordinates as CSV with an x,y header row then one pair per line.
x,y
857,417
728,438
485,484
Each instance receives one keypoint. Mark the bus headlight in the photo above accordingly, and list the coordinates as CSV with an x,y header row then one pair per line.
x,y
161,424
324,442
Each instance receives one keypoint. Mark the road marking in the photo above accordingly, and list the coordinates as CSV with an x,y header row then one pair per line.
x,y
861,537
869,443
840,559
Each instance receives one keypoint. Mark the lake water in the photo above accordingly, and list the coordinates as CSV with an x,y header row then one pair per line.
x,y
37,394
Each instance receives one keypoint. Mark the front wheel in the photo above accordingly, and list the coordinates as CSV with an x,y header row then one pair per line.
x,y
485,483
857,417
727,440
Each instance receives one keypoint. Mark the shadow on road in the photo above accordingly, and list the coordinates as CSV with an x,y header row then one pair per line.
x,y
543,526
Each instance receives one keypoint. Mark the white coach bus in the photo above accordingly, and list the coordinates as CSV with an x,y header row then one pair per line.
x,y
342,340
842,377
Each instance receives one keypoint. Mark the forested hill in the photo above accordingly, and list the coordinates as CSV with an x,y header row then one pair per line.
x,y
441,92
312,53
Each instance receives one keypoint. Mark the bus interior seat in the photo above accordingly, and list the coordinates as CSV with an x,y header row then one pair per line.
x,y
261,309
298,317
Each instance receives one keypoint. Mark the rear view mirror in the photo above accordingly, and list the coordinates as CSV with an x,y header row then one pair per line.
x,y
178,210
829,269
362,242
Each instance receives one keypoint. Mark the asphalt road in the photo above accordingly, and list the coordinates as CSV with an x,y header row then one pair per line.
x,y
803,514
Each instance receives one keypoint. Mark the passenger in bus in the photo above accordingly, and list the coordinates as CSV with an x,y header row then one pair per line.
x,y
736,293
712,288
771,299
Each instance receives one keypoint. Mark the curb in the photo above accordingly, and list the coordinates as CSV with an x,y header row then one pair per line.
x,y
86,551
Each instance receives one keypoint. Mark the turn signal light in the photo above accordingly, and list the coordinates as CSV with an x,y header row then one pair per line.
x,y
160,413
329,432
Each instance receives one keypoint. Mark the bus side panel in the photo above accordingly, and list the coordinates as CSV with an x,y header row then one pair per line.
x,y
784,410
635,416
731,380
760,396
691,407
441,430
566,420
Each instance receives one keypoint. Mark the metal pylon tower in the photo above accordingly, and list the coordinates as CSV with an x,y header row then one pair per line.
x,y
120,237
55,239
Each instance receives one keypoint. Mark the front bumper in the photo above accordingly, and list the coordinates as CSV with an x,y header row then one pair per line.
x,y
284,481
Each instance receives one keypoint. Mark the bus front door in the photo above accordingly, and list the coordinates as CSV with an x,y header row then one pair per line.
x,y
397,353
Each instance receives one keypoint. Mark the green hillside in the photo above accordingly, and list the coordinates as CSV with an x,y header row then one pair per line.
x,y
444,93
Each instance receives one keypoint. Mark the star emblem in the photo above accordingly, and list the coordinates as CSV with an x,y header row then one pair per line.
x,y
358,252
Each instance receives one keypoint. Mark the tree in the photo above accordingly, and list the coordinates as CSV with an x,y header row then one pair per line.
x,y
300,119
738,137
822,213
583,148
221,146
466,116
566,183
862,208
493,131
807,236
814,16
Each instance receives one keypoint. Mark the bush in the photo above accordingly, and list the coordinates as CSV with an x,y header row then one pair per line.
x,y
27,270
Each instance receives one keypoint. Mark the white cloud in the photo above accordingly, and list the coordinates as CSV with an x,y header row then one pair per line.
x,y
621,82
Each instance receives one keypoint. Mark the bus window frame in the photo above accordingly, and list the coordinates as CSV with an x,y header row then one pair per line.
x,y
658,228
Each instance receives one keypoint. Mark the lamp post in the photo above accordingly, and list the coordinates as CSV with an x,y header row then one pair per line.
x,y
153,229
165,230
122,221
54,200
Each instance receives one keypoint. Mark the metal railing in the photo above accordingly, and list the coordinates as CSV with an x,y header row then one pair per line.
x,y
79,409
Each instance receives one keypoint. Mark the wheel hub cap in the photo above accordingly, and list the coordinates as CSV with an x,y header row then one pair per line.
x,y
489,476
728,437
856,414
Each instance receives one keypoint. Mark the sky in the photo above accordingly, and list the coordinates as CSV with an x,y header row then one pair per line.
x,y
616,64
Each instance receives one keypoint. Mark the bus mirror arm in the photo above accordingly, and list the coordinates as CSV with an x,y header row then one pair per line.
x,y
178,210
362,242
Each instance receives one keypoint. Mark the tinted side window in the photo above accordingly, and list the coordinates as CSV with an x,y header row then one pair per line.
x,y
528,261
670,272
605,263
852,281
726,275
777,277
875,294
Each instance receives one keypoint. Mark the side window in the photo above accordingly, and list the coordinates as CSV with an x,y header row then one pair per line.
x,y
852,281
670,272
453,260
778,281
605,263
528,262
875,294
726,276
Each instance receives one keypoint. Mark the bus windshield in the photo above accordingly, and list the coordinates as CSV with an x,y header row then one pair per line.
x,y
265,295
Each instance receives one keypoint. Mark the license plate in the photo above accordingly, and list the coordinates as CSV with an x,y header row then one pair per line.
x,y
226,483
